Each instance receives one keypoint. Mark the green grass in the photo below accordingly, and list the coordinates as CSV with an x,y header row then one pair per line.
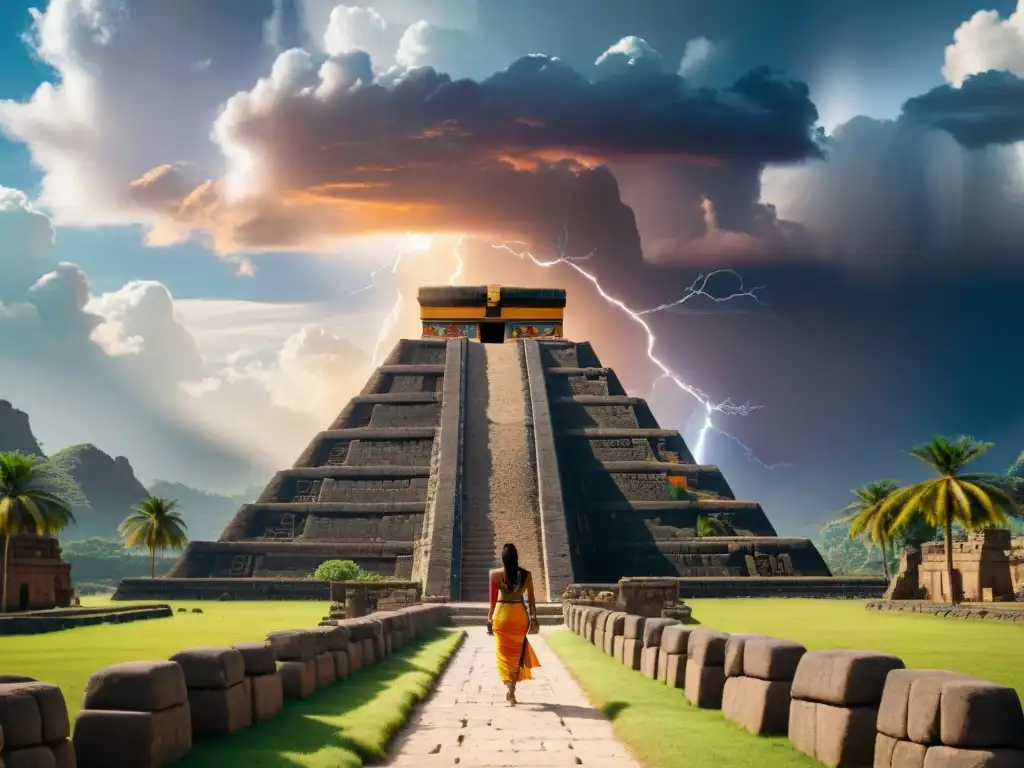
x,y
664,731
660,727
985,648
69,657
338,727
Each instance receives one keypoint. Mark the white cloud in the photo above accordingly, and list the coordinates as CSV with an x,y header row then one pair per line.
x,y
351,28
447,50
696,54
629,53
986,41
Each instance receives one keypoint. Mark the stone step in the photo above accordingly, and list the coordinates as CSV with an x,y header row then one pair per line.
x,y
421,369
399,398
668,468
344,472
617,433
711,505
341,508
568,371
624,400
379,433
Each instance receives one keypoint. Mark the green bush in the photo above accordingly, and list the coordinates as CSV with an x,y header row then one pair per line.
x,y
97,563
343,570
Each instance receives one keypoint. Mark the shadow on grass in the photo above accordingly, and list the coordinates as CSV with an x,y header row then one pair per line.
x,y
570,712
348,724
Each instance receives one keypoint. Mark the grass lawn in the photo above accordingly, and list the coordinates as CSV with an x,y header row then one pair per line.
x,y
664,731
659,725
69,657
338,727
985,648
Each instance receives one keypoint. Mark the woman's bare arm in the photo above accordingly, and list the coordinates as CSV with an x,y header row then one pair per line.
x,y
530,596
493,596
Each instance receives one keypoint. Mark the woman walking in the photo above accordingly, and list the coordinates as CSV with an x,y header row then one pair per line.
x,y
510,622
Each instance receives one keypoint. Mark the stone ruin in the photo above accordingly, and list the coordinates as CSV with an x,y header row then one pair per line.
x,y
988,565
38,578
401,481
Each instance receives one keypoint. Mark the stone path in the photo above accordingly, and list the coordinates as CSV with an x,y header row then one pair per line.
x,y
467,723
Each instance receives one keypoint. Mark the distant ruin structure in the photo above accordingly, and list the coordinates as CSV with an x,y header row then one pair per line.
x,y
493,427
37,577
988,564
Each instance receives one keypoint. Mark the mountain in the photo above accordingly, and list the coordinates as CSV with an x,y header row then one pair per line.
x,y
15,431
109,485
205,513
112,490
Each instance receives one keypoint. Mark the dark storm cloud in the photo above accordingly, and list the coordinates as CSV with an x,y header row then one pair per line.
x,y
504,155
987,109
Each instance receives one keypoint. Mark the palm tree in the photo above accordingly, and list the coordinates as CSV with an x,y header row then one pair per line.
x,y
866,517
31,501
713,525
156,525
971,500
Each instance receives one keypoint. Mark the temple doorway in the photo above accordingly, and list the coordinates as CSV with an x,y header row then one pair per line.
x,y
492,333
23,598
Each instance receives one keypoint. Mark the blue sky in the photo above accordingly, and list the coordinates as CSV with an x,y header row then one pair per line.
x,y
854,357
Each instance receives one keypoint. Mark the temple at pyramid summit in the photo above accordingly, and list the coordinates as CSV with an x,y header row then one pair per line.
x,y
491,428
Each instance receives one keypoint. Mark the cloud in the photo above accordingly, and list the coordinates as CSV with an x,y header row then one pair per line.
x,y
986,42
629,54
452,51
123,369
986,109
316,153
716,246
351,29
696,55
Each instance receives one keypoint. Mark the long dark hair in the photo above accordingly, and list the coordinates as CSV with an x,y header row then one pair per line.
x,y
510,560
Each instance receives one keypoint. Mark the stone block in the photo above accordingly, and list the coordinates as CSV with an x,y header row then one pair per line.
x,y
118,739
977,714
836,736
673,672
5,679
354,654
843,678
325,672
20,719
53,712
380,650
706,647
60,754
771,658
298,678
211,667
613,628
618,647
649,662
894,705
951,757
258,658
675,638
369,651
293,645
267,696
632,647
136,686
633,627
733,662
759,706
340,664
704,685
220,711
654,629
599,638
337,637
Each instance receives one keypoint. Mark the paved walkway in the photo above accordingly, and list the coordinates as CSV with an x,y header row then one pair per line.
x,y
466,722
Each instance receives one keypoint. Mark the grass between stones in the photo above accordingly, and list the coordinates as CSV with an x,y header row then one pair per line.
x,y
985,648
67,658
343,726
658,725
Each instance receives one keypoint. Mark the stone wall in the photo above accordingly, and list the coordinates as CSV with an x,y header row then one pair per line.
x,y
986,564
857,587
992,611
54,620
840,707
152,713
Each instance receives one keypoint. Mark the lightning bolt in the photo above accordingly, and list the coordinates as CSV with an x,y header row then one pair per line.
x,y
697,289
456,250
413,244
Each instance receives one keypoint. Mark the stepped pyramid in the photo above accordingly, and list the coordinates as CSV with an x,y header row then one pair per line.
x,y
492,427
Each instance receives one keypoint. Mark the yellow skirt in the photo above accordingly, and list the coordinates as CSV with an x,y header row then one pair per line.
x,y
511,624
